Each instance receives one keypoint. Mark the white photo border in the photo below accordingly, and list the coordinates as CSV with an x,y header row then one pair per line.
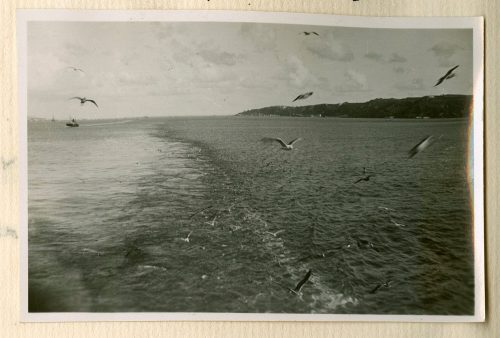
x,y
476,145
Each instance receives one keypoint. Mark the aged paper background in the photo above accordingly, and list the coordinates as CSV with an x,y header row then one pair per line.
x,y
9,178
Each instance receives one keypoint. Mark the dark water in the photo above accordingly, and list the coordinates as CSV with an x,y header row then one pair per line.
x,y
111,205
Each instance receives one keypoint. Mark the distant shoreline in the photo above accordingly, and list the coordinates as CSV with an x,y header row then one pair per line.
x,y
425,107
42,119
354,118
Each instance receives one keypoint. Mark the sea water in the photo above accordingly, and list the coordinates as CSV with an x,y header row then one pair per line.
x,y
199,215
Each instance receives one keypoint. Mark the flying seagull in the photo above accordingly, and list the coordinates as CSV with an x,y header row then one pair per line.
x,y
83,100
446,76
76,69
386,284
309,33
366,178
187,238
284,146
274,233
303,96
212,222
427,141
300,284
363,243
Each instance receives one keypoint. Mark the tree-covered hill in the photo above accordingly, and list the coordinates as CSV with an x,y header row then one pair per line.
x,y
444,106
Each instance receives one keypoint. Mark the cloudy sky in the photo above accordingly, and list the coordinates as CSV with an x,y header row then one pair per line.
x,y
168,69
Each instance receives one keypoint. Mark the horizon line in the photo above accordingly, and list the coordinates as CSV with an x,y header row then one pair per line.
x,y
249,109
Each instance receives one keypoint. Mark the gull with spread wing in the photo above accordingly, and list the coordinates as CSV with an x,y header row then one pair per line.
x,y
284,145
83,100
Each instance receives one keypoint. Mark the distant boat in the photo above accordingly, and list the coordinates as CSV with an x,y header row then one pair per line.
x,y
72,123
53,119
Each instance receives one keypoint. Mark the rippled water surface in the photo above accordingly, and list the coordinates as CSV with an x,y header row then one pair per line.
x,y
199,215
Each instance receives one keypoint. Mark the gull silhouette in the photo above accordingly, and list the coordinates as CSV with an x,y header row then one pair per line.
x,y
212,222
363,243
366,178
386,284
427,141
83,100
76,69
303,96
309,33
187,238
446,76
300,284
298,287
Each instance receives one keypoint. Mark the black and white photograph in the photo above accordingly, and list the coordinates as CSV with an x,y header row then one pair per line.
x,y
211,165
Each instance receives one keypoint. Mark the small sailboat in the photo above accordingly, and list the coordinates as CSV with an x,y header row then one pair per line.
x,y
53,119
72,123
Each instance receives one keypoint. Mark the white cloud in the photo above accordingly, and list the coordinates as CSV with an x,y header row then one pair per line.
x,y
299,75
178,68
377,57
353,81
215,76
444,51
218,57
396,58
400,70
414,84
329,48
261,36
